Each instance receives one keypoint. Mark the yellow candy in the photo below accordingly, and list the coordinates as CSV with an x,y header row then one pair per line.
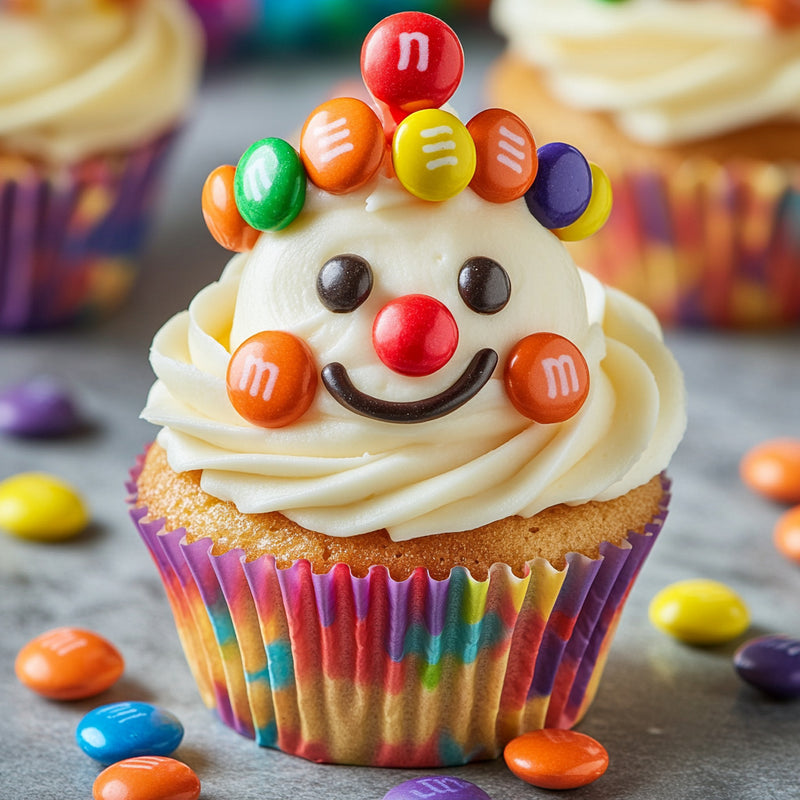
x,y
700,612
34,505
596,213
433,154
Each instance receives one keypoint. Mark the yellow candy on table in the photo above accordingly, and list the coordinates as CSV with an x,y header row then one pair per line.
x,y
37,506
433,154
700,611
596,213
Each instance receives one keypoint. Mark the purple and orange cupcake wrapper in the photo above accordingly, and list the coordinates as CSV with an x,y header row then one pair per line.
x,y
375,671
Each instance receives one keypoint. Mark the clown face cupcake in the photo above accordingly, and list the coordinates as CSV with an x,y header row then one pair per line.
x,y
409,452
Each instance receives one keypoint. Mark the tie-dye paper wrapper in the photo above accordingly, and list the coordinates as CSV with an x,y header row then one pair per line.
x,y
704,244
380,672
70,236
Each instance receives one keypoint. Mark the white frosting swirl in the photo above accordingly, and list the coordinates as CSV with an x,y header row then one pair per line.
x,y
344,474
82,78
667,70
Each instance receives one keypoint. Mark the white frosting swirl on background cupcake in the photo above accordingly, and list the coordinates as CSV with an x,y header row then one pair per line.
x,y
667,70
345,474
82,78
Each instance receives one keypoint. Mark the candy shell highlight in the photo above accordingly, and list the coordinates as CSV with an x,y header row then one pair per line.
x,y
221,215
597,212
147,778
556,759
773,469
68,664
787,534
41,507
562,188
771,664
700,611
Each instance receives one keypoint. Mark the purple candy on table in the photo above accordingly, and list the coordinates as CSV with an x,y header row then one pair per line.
x,y
436,787
770,663
40,406
562,188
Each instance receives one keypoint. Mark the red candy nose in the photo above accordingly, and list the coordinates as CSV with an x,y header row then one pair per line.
x,y
414,335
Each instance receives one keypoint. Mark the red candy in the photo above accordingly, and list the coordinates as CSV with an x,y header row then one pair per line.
x,y
787,534
556,759
342,145
773,469
68,664
272,379
546,378
147,778
222,217
411,61
506,155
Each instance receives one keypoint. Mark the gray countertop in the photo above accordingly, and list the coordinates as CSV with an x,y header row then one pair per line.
x,y
676,720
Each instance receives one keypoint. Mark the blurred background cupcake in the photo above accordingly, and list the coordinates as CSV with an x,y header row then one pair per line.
x,y
693,108
91,94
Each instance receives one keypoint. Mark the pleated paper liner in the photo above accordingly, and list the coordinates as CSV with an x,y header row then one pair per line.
x,y
70,236
374,671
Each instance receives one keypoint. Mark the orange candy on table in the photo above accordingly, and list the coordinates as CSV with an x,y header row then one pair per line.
x,y
342,145
773,469
556,759
272,379
221,215
785,13
68,664
147,778
787,534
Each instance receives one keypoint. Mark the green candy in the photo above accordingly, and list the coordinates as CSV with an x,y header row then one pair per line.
x,y
270,185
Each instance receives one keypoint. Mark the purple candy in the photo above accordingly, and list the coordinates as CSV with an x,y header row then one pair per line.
x,y
37,407
771,663
563,185
437,787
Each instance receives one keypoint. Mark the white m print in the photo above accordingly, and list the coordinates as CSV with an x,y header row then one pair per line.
x,y
253,372
405,50
437,786
559,366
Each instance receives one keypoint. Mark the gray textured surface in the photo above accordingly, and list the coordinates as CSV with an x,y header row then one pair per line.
x,y
676,721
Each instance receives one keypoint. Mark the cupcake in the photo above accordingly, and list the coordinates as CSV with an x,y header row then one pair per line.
x,y
91,94
411,458
693,110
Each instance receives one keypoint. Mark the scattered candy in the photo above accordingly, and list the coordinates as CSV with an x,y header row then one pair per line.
x,y
221,215
787,534
505,154
272,379
700,612
270,185
68,664
770,663
773,469
344,283
147,778
484,285
562,188
597,212
40,507
414,335
435,785
546,378
37,407
433,155
123,730
342,145
556,759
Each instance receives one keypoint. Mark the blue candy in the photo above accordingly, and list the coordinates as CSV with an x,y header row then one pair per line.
x,y
439,787
563,185
771,663
117,731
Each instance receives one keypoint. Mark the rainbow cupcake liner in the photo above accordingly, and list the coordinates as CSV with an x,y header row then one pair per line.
x,y
374,671
69,236
708,244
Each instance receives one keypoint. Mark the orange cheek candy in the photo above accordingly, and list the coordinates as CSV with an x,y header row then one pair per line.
x,y
546,378
773,469
342,145
147,778
68,664
272,379
506,156
221,215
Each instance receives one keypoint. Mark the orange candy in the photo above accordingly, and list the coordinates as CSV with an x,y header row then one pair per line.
x,y
272,379
785,13
506,155
787,534
222,217
147,778
773,469
342,145
68,664
546,378
556,759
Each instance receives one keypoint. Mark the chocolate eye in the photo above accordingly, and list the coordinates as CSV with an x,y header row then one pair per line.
x,y
344,283
484,285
